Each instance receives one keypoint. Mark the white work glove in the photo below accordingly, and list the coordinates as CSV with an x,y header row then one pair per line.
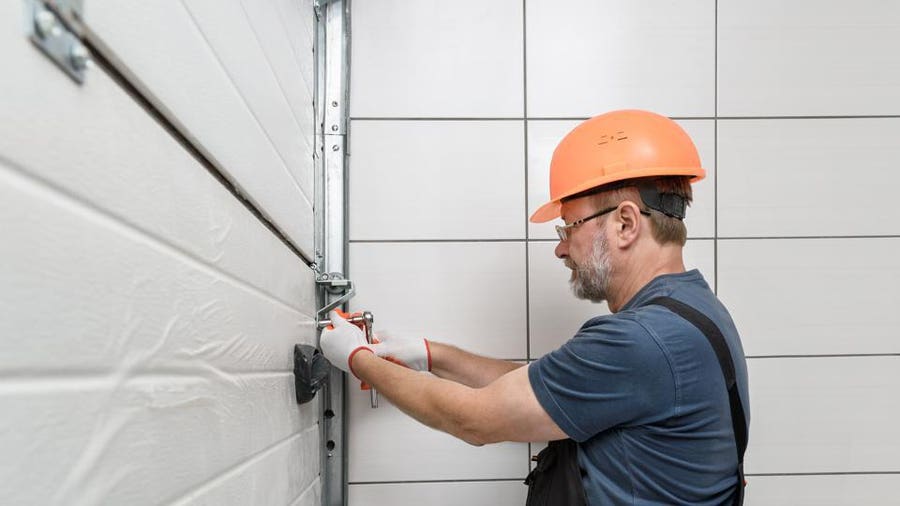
x,y
412,353
341,343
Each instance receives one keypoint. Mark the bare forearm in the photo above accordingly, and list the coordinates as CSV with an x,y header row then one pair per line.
x,y
435,402
452,363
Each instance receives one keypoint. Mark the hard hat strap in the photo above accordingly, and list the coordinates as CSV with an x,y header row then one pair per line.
x,y
670,204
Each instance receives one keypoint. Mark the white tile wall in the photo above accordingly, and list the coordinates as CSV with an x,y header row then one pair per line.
x,y
388,445
495,493
468,294
813,296
823,415
808,177
437,180
544,135
808,57
827,490
432,58
589,56
555,314
828,178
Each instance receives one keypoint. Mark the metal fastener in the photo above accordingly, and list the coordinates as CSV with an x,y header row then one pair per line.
x,y
335,148
334,128
334,103
79,56
45,24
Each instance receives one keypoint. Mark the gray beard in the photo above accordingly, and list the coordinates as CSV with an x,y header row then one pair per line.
x,y
591,281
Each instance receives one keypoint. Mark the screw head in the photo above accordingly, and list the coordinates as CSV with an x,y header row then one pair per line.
x,y
334,128
335,148
45,24
334,103
79,56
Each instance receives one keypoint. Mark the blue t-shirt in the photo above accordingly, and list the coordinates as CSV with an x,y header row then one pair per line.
x,y
642,392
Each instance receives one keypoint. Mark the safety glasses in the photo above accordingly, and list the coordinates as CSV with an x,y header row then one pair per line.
x,y
563,230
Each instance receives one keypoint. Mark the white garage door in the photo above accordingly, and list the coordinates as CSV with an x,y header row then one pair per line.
x,y
148,314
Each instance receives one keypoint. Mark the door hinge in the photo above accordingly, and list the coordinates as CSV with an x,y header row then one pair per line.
x,y
56,28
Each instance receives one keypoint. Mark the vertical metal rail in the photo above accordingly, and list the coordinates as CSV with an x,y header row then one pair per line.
x,y
332,93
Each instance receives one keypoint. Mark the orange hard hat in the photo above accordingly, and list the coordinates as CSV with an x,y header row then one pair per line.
x,y
614,147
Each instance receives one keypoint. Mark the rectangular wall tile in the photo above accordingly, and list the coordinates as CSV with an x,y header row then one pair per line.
x,y
808,177
437,180
468,294
555,314
544,135
495,493
586,57
431,58
813,296
808,57
385,444
824,415
828,490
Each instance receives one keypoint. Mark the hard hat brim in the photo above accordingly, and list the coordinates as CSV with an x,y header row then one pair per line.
x,y
552,210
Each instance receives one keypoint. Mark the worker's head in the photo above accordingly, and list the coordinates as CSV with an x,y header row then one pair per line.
x,y
621,183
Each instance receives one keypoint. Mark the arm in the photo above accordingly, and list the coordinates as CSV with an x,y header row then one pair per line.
x,y
504,410
454,364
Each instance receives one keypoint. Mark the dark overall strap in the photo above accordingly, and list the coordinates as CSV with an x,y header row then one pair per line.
x,y
720,346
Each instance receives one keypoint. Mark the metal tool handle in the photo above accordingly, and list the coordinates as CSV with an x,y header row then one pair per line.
x,y
368,326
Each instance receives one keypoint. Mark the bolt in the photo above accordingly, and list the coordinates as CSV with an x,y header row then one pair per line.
x,y
334,128
334,103
45,24
79,56
335,148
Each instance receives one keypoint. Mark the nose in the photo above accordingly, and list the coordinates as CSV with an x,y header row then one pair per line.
x,y
562,250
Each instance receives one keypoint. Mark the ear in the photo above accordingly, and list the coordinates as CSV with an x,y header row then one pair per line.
x,y
628,223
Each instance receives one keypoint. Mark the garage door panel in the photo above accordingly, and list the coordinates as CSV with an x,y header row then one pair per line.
x,y
84,291
96,144
275,104
295,75
278,475
138,440
227,120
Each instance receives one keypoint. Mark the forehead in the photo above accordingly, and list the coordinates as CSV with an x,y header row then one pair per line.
x,y
574,209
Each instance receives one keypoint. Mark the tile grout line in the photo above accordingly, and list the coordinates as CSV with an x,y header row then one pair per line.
x,y
716,149
549,239
451,480
582,118
525,164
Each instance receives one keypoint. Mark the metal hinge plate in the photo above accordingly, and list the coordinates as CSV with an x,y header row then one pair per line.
x,y
55,27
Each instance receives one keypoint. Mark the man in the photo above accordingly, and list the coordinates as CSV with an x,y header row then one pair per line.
x,y
640,390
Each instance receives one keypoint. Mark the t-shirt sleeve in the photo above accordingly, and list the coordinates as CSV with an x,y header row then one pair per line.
x,y
612,373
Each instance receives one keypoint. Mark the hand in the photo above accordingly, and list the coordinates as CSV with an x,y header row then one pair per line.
x,y
412,353
341,342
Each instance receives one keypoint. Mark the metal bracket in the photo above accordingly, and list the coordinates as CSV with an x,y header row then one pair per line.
x,y
55,27
334,283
